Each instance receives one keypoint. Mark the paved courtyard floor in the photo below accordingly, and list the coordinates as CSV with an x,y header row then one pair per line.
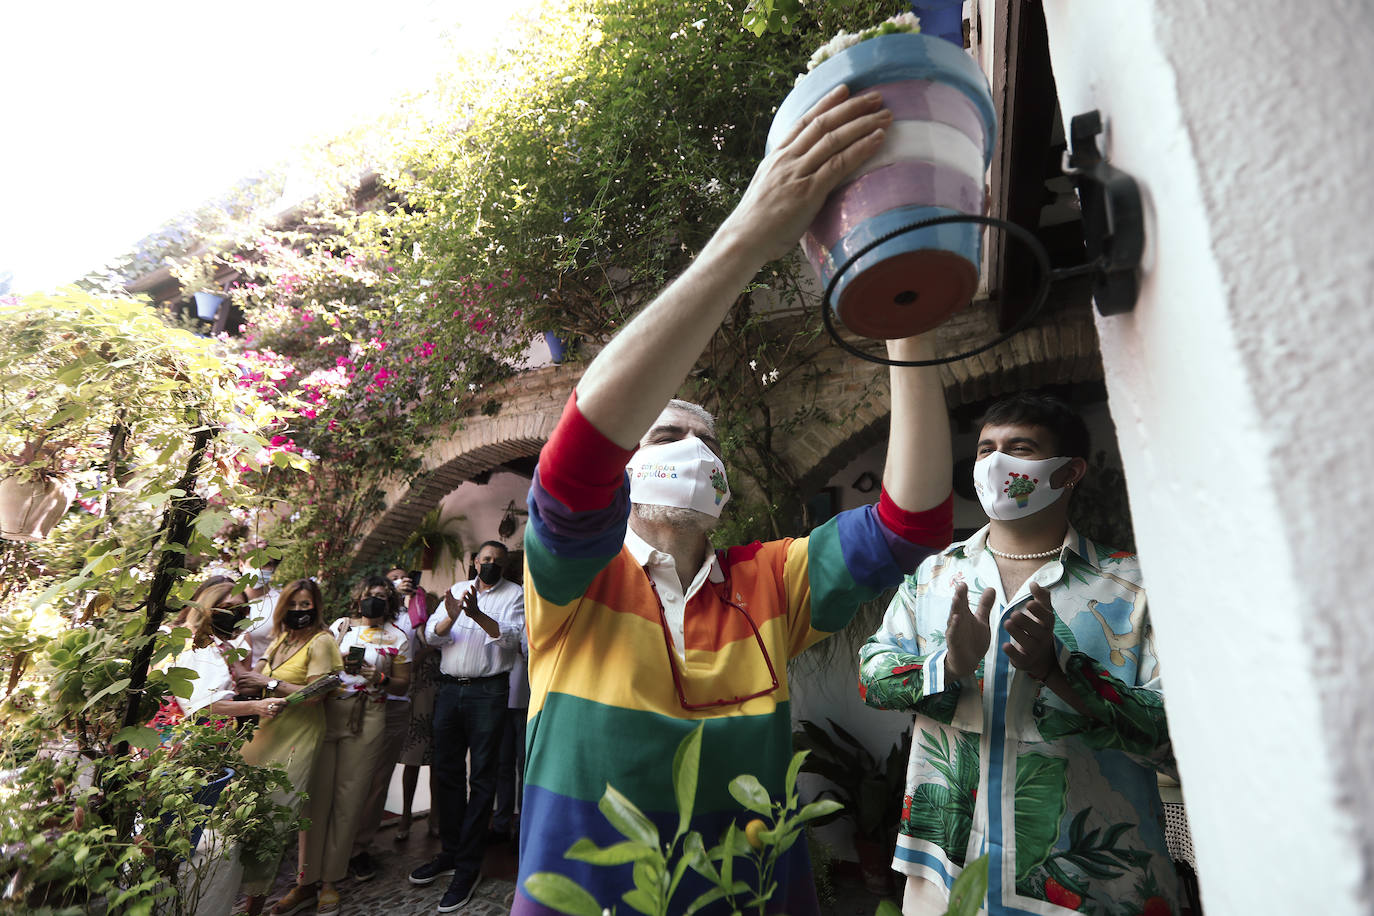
x,y
391,894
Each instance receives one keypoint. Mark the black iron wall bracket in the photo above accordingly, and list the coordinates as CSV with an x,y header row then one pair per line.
x,y
1113,217
1113,236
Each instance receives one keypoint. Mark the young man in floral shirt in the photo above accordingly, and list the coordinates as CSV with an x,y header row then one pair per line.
x,y
1027,655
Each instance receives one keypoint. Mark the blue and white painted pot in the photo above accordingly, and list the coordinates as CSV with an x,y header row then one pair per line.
x,y
931,164
207,305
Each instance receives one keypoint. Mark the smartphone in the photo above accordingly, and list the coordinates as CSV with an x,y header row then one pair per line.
x,y
414,576
354,662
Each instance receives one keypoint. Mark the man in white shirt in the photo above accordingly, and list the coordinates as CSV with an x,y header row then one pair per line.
x,y
478,635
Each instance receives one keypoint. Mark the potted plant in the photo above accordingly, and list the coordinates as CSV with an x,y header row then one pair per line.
x,y
930,165
197,275
871,794
432,537
34,490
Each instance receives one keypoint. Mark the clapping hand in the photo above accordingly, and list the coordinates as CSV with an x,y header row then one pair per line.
x,y
968,633
1032,631
467,604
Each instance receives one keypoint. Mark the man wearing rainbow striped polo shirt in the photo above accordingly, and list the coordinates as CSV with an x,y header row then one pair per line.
x,y
637,630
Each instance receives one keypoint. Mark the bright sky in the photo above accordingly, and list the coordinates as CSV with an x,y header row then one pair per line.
x,y
115,117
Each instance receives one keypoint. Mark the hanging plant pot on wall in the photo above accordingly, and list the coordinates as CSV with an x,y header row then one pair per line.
x,y
931,165
207,305
30,508
558,347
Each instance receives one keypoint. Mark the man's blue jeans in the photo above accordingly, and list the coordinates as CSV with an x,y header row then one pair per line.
x,y
468,719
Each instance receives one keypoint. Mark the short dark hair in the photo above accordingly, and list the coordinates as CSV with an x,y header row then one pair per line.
x,y
504,549
393,600
1034,409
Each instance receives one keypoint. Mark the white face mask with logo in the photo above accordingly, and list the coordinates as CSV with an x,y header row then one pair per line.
x,y
1011,488
684,474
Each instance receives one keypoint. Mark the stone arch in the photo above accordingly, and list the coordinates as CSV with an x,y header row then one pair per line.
x,y
521,414
516,419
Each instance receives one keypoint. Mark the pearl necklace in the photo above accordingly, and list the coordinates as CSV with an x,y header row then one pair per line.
x,y
1042,555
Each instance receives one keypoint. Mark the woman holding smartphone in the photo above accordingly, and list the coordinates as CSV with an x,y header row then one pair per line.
x,y
376,663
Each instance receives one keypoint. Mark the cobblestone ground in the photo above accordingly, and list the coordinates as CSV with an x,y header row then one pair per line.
x,y
391,894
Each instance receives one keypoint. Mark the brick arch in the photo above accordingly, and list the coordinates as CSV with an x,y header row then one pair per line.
x,y
1061,348
523,412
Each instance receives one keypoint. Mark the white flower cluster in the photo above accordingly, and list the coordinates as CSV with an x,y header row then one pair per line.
x,y
902,22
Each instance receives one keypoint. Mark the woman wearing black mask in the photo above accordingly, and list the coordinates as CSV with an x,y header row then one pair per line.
x,y
212,616
300,653
377,663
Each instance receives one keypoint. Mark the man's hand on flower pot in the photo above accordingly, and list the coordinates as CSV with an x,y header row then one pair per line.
x,y
829,142
626,386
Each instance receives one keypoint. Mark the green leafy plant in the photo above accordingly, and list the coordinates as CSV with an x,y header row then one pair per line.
x,y
969,890
762,16
870,792
61,841
433,537
197,274
165,445
660,866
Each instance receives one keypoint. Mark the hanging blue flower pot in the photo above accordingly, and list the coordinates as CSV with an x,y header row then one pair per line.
x,y
932,164
207,305
558,347
206,796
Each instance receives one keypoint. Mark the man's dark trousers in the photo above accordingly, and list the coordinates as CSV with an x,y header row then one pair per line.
x,y
469,716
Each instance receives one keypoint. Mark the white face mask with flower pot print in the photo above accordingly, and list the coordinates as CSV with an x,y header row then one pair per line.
x,y
1010,488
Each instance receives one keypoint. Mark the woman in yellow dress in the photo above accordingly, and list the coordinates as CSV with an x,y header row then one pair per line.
x,y
301,652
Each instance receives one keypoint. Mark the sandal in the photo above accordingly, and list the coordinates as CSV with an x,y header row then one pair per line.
x,y
329,902
297,899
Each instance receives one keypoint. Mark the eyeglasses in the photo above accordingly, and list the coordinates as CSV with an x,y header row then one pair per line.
x,y
677,678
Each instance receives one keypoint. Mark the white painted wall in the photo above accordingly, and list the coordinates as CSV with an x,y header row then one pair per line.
x,y
1240,387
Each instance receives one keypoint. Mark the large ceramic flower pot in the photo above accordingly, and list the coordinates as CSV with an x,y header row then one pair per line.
x,y
207,305
30,508
931,164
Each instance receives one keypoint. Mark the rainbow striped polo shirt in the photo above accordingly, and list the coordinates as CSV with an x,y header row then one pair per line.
x,y
604,707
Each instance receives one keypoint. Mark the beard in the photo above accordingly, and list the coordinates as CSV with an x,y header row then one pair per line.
x,y
676,517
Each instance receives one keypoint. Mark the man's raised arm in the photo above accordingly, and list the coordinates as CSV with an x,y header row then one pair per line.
x,y
919,469
626,386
